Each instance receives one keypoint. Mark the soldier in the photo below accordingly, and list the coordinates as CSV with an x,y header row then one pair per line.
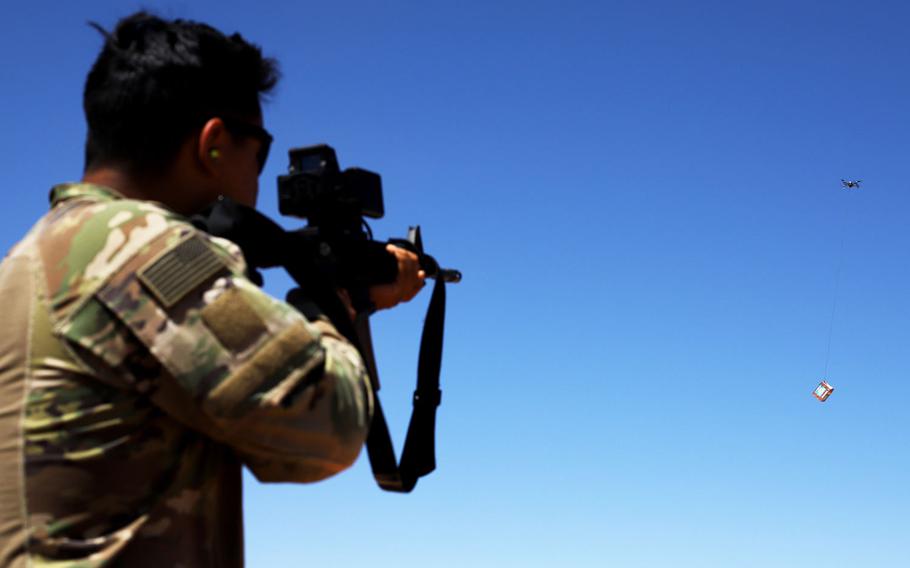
x,y
139,367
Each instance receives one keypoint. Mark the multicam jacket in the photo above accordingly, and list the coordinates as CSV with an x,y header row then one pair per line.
x,y
139,369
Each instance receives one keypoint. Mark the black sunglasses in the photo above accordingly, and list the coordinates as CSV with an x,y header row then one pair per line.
x,y
242,128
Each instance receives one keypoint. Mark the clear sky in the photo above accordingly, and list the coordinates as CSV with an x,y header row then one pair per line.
x,y
644,197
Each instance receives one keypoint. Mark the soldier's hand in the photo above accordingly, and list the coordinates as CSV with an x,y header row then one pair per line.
x,y
410,281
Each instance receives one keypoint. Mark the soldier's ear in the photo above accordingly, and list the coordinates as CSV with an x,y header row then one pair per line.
x,y
212,138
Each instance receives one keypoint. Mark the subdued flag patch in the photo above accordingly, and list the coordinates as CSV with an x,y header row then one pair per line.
x,y
181,270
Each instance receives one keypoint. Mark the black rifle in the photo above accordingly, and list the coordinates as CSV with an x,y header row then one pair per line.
x,y
336,251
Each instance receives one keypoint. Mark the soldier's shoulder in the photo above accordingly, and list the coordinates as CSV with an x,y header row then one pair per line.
x,y
81,245
103,233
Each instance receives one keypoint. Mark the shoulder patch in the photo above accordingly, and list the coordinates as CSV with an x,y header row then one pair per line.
x,y
180,270
233,321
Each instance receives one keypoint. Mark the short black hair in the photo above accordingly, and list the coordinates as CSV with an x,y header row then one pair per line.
x,y
155,81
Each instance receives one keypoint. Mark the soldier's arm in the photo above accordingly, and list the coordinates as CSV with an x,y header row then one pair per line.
x,y
291,397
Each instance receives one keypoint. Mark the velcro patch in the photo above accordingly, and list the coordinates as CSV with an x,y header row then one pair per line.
x,y
288,354
181,270
233,321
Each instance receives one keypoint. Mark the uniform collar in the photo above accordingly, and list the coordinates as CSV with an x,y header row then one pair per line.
x,y
66,191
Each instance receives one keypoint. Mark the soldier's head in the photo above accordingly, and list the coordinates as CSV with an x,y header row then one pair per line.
x,y
163,92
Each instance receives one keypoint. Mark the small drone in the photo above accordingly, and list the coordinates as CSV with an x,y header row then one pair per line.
x,y
851,184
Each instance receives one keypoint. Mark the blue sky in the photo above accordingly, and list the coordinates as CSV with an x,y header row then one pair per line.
x,y
645,200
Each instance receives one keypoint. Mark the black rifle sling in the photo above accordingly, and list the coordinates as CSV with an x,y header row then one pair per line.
x,y
262,241
418,458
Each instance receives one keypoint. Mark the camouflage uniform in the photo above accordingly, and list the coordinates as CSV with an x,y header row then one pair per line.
x,y
139,369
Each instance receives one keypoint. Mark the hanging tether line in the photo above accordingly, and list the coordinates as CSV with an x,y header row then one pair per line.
x,y
837,277
840,265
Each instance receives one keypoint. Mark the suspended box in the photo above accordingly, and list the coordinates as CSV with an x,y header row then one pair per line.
x,y
823,391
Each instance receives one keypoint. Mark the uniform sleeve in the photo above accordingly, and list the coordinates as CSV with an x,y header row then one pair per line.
x,y
292,397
